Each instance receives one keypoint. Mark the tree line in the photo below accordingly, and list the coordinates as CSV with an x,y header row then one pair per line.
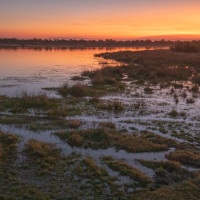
x,y
82,42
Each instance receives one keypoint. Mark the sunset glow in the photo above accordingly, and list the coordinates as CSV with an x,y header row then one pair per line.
x,y
127,19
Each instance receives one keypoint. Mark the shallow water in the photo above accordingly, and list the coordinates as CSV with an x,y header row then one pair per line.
x,y
48,137
32,69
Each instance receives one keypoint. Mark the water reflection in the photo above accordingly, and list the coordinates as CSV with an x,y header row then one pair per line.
x,y
31,69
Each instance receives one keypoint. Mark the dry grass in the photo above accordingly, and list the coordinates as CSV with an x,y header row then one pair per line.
x,y
8,145
26,101
167,172
80,90
109,125
93,169
1,151
43,154
105,138
185,157
74,123
77,90
186,190
157,65
127,170
105,76
8,140
115,106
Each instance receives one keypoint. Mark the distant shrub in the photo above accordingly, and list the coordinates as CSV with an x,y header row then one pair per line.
x,y
185,47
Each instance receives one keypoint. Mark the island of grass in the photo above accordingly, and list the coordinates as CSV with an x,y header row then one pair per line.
x,y
103,138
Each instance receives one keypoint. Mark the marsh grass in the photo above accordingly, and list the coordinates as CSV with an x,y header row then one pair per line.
x,y
173,113
115,106
63,111
77,90
43,154
184,190
166,172
93,169
157,65
157,139
185,157
50,124
80,90
106,138
105,76
26,101
127,170
109,125
74,123
8,145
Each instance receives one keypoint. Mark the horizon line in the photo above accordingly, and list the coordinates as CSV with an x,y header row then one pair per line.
x,y
152,38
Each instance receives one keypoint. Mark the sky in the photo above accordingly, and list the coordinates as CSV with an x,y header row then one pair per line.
x,y
100,19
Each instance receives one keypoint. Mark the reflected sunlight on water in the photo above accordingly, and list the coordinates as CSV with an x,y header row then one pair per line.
x,y
33,69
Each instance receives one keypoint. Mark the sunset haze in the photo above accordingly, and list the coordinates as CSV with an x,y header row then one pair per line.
x,y
127,19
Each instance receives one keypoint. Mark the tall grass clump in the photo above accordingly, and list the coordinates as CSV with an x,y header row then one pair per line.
x,y
106,138
185,157
127,170
77,90
46,156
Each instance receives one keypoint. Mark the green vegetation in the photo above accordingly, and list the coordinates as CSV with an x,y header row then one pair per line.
x,y
127,170
106,138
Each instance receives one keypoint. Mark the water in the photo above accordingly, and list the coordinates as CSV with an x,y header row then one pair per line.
x,y
32,69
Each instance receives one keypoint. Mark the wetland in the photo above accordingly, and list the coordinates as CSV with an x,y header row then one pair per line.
x,y
99,123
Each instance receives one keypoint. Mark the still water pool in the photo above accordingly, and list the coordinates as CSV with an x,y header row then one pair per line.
x,y
33,69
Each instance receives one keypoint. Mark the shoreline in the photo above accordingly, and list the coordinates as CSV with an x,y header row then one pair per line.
x,y
60,46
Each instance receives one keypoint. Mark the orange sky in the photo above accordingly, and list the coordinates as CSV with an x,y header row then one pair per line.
x,y
117,19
